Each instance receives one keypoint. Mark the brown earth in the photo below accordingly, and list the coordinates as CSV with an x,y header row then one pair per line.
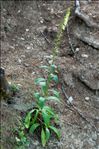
x,y
28,29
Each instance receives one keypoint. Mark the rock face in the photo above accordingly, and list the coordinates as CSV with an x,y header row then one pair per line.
x,y
90,79
4,86
87,28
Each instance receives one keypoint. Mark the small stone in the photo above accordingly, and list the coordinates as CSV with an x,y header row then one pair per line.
x,y
50,61
19,85
28,48
77,49
19,11
22,56
26,65
41,21
19,60
84,55
52,10
22,38
33,73
87,98
27,29
12,47
70,100
31,44
46,56
9,83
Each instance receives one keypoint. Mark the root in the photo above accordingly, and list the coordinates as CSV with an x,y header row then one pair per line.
x,y
84,17
91,36
91,41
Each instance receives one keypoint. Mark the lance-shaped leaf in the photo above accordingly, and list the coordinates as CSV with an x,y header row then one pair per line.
x,y
37,95
46,117
53,98
44,87
43,137
49,110
34,127
28,118
56,93
44,67
35,116
54,77
41,102
55,130
38,80
47,133
53,67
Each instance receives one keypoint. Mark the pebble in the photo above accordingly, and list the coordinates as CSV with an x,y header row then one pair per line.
x,y
70,100
77,49
22,38
50,62
84,55
22,56
27,29
28,48
52,10
12,47
19,61
41,20
19,85
26,65
19,11
33,73
87,98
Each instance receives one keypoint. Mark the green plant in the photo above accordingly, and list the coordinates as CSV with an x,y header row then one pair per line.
x,y
14,88
21,138
43,117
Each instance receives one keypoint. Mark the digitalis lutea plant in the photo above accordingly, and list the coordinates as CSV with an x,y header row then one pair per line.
x,y
43,117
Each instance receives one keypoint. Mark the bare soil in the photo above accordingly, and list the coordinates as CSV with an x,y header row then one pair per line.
x,y
28,29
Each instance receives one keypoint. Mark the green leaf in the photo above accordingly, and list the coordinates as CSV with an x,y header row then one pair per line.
x,y
42,83
44,88
53,98
56,118
54,78
47,134
43,137
14,88
32,111
28,118
35,116
56,131
34,127
56,93
38,80
21,134
46,117
49,110
37,95
44,67
41,102
53,67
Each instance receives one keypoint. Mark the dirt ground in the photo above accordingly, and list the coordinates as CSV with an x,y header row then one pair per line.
x,y
28,29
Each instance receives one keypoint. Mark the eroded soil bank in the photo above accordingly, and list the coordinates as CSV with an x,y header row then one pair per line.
x,y
28,29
